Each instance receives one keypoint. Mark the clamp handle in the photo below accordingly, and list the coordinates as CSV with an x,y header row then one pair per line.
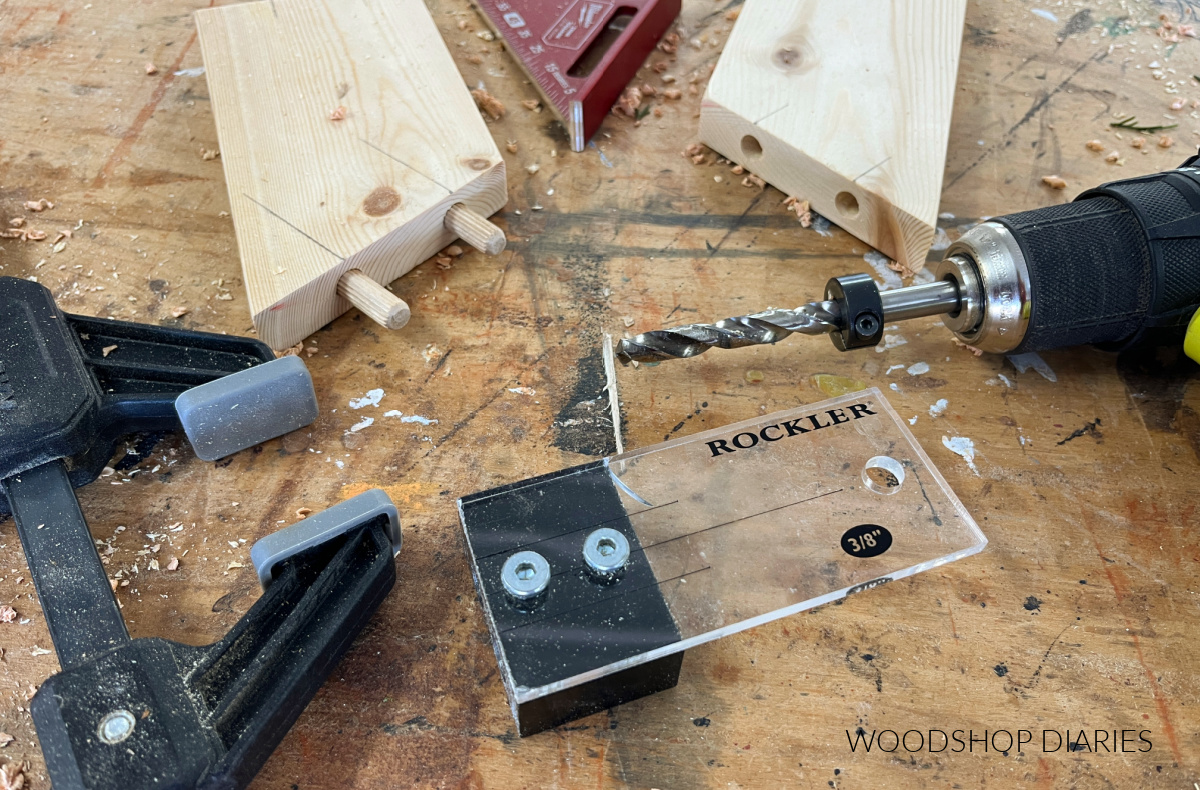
x,y
148,713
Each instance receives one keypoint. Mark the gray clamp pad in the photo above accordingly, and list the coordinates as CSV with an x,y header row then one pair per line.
x,y
247,408
321,527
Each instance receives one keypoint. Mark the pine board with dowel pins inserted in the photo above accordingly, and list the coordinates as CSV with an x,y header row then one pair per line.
x,y
846,105
352,149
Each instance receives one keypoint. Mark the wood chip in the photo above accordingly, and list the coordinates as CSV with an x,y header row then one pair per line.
x,y
1095,145
648,90
5,739
303,512
16,222
1138,142
474,60
672,94
488,103
670,43
151,69
179,312
454,251
12,776
338,113
752,180
1178,104
173,564
976,351
531,169
38,205
1054,182
208,155
35,235
1165,142
108,350
630,102
531,104
733,13
511,146
7,614
660,67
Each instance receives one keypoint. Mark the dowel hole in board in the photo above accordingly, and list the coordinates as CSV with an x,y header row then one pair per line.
x,y
751,147
847,204
381,202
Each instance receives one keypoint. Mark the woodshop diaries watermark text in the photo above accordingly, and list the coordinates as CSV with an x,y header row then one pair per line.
x,y
1000,741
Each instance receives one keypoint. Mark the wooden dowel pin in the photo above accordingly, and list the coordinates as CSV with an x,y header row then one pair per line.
x,y
377,303
475,229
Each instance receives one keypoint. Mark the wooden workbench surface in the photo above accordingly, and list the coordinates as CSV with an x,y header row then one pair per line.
x,y
1080,614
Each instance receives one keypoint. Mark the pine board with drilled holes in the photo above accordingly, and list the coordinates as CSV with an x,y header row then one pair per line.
x,y
313,197
846,105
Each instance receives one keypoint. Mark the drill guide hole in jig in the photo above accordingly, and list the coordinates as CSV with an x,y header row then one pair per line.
x,y
724,530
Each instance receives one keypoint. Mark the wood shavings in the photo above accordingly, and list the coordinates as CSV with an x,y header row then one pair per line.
x,y
629,102
16,222
738,170
38,205
1113,157
1095,145
976,351
5,739
672,94
173,564
151,69
294,351
1054,182
12,775
474,60
802,209
7,614
303,512
233,565
338,113
1138,142
694,152
179,312
752,180
488,103
531,169
511,146
648,90
1165,142
454,251
153,566
533,105
107,350
208,155
462,24
1178,104
669,44
35,235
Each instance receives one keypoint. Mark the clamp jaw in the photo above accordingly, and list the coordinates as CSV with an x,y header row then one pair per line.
x,y
136,714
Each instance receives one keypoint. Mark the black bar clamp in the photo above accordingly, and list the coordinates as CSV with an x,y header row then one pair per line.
x,y
136,714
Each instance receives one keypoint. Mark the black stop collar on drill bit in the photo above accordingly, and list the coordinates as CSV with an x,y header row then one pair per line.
x,y
861,318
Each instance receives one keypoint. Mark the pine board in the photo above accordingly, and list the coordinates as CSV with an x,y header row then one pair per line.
x,y
850,105
313,197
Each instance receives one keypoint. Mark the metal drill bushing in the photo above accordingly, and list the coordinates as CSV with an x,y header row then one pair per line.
x,y
525,575
606,552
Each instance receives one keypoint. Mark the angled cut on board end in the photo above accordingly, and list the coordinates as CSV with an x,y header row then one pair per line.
x,y
846,105
347,135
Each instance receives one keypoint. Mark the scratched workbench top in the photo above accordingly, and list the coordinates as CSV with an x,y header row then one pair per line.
x,y
1080,614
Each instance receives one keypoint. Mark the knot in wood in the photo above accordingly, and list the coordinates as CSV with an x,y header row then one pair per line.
x,y
381,201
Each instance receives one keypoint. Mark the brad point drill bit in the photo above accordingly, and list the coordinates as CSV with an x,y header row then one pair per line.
x,y
769,326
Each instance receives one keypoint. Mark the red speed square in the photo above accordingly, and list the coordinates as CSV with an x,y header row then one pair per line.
x,y
580,53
